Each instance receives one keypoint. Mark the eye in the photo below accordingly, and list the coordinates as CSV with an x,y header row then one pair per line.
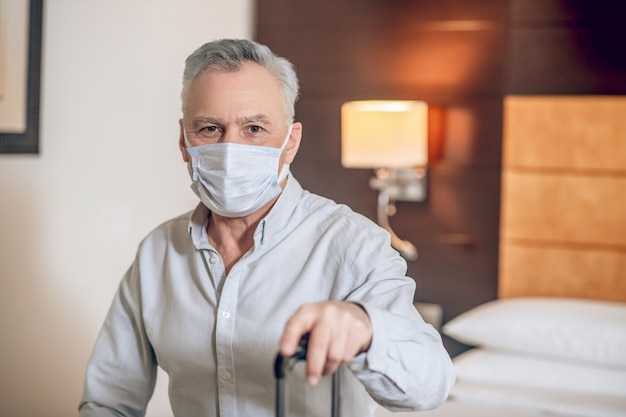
x,y
210,133
255,129
209,129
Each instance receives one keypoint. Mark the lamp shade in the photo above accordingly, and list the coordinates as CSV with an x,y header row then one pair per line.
x,y
384,134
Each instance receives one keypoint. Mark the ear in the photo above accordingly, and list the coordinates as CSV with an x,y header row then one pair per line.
x,y
294,142
181,141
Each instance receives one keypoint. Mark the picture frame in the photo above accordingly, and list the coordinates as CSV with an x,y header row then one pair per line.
x,y
27,142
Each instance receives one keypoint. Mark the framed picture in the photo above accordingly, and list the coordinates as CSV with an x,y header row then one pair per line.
x,y
20,79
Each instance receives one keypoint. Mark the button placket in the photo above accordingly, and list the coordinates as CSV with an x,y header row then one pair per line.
x,y
223,341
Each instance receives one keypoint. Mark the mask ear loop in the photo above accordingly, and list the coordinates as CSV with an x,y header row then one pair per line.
x,y
284,145
284,171
185,135
194,173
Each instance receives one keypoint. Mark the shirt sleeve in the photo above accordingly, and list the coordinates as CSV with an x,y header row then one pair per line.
x,y
406,367
121,372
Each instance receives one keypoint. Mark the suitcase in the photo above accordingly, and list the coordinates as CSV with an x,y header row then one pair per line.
x,y
282,365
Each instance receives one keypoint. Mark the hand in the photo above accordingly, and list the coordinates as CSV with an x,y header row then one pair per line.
x,y
339,330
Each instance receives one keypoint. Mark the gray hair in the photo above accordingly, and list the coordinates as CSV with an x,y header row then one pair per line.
x,y
229,54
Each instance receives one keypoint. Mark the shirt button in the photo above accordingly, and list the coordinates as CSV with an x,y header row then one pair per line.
x,y
225,314
212,260
226,375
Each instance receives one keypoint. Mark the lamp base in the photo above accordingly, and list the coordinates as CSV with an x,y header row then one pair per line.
x,y
407,184
398,185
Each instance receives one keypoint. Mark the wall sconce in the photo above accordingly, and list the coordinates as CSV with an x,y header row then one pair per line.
x,y
392,138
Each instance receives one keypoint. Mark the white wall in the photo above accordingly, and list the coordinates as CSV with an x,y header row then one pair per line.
x,y
109,170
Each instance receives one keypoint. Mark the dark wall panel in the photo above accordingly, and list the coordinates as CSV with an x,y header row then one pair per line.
x,y
566,47
462,57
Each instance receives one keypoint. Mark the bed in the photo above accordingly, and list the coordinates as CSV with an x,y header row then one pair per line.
x,y
554,341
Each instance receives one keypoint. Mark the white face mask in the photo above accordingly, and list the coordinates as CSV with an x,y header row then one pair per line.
x,y
234,179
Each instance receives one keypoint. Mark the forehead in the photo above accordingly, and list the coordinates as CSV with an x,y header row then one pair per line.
x,y
250,90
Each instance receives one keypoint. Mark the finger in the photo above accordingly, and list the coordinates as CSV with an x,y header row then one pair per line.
x,y
317,353
338,352
298,325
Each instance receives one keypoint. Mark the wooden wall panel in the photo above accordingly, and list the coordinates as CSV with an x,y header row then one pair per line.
x,y
573,208
590,135
563,211
552,271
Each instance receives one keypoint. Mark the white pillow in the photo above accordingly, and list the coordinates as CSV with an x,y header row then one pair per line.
x,y
541,372
587,330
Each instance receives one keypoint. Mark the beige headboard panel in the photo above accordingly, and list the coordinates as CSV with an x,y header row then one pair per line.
x,y
563,207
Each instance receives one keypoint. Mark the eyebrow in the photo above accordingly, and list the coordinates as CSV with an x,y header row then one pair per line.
x,y
240,121
256,118
201,121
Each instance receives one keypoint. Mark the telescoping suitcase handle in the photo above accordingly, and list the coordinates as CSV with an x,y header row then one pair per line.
x,y
283,364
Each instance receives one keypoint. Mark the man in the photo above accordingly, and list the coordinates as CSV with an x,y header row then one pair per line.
x,y
214,294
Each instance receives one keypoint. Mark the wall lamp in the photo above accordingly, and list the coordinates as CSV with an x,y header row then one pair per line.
x,y
390,137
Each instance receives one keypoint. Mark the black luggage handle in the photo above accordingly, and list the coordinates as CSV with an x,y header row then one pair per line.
x,y
283,364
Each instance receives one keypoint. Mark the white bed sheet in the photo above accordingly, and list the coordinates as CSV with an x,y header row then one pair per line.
x,y
487,400
456,409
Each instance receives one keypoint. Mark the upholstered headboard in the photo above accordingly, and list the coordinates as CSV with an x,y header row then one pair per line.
x,y
563,204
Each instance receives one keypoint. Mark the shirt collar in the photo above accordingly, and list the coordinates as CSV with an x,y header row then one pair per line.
x,y
277,219
198,222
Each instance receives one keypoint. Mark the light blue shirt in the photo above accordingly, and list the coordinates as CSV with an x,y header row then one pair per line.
x,y
216,335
